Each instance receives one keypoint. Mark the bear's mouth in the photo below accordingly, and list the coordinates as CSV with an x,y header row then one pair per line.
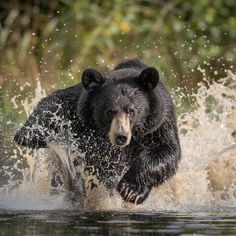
x,y
120,130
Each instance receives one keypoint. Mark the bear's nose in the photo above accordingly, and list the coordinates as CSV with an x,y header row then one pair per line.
x,y
121,139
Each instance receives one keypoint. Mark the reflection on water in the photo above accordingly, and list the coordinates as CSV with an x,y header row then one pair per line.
x,y
114,223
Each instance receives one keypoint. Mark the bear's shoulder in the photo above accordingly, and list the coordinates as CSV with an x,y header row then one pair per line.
x,y
59,107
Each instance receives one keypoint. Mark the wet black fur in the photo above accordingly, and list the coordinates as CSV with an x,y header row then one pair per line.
x,y
153,154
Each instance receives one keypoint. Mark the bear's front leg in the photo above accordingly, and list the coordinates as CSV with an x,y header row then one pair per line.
x,y
133,187
154,166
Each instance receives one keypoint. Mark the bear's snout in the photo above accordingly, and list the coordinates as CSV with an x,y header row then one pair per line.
x,y
121,139
120,130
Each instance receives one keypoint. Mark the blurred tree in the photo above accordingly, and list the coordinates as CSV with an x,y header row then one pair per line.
x,y
54,40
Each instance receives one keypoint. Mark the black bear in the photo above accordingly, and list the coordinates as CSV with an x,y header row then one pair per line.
x,y
124,121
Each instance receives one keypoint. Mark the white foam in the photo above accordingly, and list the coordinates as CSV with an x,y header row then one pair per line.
x,y
206,178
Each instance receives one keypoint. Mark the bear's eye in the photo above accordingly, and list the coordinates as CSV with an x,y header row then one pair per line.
x,y
131,112
111,112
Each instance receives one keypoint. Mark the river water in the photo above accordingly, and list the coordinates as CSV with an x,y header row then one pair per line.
x,y
200,199
60,222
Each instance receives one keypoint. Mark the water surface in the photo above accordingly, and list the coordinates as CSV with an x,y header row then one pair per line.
x,y
65,222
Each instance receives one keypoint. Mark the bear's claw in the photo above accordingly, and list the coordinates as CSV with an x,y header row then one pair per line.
x,y
133,193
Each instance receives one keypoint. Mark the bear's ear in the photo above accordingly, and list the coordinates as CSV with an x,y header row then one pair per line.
x,y
148,78
92,79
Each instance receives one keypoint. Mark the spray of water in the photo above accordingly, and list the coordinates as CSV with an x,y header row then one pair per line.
x,y
206,179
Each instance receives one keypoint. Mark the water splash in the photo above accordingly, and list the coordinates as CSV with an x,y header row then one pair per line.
x,y
206,179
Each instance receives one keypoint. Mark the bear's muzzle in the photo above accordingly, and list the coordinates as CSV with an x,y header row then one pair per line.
x,y
120,130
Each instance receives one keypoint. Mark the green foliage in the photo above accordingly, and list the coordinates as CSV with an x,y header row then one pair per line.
x,y
53,41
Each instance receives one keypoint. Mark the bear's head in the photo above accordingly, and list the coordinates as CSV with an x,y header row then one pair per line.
x,y
119,101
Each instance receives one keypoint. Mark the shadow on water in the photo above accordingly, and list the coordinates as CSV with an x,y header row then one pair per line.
x,y
63,222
